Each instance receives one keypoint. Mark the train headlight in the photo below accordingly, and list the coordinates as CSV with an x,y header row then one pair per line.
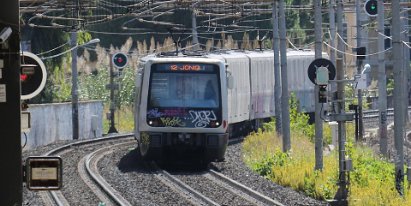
x,y
214,124
153,123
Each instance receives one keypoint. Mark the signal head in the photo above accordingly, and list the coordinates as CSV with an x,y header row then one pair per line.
x,y
371,8
33,75
119,60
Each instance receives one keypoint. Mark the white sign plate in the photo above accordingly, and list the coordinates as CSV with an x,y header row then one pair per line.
x,y
362,82
3,93
44,173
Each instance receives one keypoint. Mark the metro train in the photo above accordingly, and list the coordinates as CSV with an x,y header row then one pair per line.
x,y
187,103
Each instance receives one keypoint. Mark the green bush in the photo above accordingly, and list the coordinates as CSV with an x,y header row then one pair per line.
x,y
264,167
371,180
299,122
59,86
127,87
93,86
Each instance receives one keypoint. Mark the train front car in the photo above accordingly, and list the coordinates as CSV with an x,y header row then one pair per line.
x,y
183,108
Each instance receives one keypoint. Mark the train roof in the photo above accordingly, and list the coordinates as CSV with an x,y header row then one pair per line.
x,y
227,54
179,58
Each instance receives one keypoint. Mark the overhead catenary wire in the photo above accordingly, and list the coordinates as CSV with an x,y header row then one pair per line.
x,y
351,54
51,50
205,8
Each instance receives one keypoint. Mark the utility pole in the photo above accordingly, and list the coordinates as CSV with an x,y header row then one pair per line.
x,y
285,110
74,73
277,83
11,179
398,53
112,128
359,66
406,76
74,87
194,30
318,105
331,16
342,193
382,82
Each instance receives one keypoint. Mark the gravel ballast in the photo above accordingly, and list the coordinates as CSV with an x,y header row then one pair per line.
x,y
124,171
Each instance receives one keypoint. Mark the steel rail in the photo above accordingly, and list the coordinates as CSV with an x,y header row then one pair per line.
x,y
190,193
90,164
248,191
57,196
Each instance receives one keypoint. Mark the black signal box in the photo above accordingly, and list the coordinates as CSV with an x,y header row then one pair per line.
x,y
43,173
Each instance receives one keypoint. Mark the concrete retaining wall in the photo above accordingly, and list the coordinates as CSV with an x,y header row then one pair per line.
x,y
53,122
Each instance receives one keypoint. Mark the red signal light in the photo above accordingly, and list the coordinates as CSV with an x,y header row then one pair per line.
x,y
119,60
23,77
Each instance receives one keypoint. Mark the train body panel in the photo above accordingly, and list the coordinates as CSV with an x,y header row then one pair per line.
x,y
298,81
239,96
253,97
262,84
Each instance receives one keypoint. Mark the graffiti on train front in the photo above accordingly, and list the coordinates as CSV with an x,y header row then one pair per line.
x,y
172,122
202,118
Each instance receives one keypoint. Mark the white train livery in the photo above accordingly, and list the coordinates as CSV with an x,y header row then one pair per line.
x,y
191,103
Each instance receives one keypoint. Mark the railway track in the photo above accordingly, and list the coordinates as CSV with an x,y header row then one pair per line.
x,y
371,117
207,187
109,171
195,186
88,173
107,194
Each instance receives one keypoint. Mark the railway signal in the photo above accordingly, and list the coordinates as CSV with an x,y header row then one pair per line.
x,y
42,173
320,72
370,8
321,64
119,60
33,75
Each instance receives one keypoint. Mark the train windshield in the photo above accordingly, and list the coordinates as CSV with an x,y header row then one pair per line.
x,y
182,91
184,88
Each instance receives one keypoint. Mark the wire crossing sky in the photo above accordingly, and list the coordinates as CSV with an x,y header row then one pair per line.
x,y
148,14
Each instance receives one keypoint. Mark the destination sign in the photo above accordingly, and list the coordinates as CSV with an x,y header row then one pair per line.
x,y
185,67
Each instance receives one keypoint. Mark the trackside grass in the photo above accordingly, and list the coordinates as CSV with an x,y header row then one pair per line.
x,y
123,120
371,181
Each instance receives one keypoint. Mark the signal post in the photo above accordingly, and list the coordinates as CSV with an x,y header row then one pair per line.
x,y
22,76
118,60
11,176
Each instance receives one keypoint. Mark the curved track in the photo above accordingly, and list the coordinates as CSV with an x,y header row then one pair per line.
x,y
108,171
101,188
58,198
